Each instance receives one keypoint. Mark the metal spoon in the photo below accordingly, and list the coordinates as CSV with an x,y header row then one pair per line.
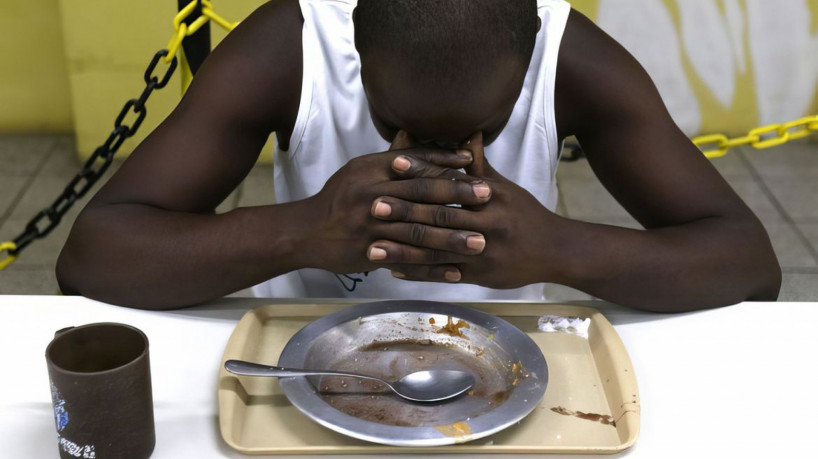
x,y
420,386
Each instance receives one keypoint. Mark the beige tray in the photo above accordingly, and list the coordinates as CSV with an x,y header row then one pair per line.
x,y
591,382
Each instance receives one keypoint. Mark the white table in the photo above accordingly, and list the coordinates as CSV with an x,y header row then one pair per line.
x,y
740,381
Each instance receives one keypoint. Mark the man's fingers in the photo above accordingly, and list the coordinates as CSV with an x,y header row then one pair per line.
x,y
407,166
390,252
431,237
393,209
419,156
480,166
438,191
432,273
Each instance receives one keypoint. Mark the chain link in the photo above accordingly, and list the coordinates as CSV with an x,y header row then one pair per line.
x,y
717,145
96,165
182,29
99,161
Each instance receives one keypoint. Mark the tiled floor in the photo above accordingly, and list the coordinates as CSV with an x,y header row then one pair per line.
x,y
781,185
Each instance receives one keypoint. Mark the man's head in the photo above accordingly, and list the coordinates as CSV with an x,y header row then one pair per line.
x,y
443,69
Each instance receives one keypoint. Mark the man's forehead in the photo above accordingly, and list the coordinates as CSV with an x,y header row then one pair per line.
x,y
433,120
443,112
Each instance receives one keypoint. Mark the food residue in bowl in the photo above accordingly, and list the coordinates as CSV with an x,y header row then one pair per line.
x,y
453,328
458,429
372,402
518,373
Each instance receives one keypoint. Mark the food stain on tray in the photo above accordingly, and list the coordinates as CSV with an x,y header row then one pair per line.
x,y
458,430
601,418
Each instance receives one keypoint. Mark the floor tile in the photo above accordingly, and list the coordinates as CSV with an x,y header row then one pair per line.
x,y
732,165
799,287
810,231
791,250
41,252
793,160
230,203
575,169
10,188
62,163
561,209
28,282
257,188
41,194
798,197
754,195
588,200
20,155
51,182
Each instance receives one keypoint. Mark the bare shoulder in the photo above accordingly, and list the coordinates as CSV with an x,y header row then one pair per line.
x,y
598,79
260,64
248,87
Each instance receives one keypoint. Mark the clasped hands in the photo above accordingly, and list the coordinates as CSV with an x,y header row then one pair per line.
x,y
394,210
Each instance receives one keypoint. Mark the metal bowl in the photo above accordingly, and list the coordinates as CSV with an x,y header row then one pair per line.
x,y
389,339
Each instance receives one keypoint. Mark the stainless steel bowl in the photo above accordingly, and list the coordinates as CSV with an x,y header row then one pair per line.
x,y
389,339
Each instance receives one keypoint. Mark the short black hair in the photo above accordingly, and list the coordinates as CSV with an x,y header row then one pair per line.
x,y
439,36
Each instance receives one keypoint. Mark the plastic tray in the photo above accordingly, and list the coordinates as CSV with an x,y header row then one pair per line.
x,y
591,404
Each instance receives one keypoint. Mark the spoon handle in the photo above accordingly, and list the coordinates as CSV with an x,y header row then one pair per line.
x,y
243,368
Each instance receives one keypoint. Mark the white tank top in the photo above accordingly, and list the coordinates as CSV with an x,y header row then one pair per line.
x,y
334,125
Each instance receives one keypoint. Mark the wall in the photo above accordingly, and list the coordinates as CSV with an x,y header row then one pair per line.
x,y
33,76
720,65
108,45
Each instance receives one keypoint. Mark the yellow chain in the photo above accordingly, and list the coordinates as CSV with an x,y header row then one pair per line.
x,y
182,30
717,145
7,247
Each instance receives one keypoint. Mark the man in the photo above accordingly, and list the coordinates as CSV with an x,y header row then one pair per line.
x,y
492,86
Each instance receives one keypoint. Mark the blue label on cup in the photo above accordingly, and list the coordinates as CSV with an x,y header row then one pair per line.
x,y
60,413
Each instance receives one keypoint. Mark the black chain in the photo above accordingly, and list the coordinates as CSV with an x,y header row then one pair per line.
x,y
48,218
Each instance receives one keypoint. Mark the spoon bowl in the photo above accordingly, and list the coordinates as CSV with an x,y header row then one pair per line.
x,y
420,386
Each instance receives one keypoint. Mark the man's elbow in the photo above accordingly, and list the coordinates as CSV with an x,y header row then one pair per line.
x,y
769,284
69,269
762,266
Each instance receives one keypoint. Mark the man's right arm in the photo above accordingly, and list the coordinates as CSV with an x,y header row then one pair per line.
x,y
150,237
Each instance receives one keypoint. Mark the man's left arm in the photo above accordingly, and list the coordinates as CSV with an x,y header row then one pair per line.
x,y
702,247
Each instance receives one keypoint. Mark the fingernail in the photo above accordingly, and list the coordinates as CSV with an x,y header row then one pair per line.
x,y
452,276
399,275
481,190
376,253
382,209
477,242
401,163
464,154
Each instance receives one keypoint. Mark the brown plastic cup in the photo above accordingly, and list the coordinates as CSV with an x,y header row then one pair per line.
x,y
101,391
